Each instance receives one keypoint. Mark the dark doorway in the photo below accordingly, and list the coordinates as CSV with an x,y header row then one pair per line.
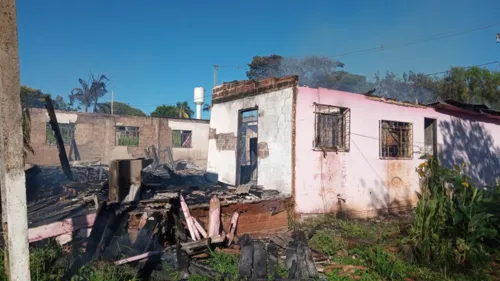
x,y
430,136
247,146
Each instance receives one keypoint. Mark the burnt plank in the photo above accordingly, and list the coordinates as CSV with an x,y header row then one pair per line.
x,y
63,158
246,261
259,260
279,241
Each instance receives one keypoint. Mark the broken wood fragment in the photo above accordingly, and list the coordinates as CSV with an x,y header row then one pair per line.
x,y
187,216
214,217
63,157
66,226
199,228
195,247
138,257
232,228
228,251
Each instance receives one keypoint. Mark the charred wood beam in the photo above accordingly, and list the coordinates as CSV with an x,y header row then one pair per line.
x,y
60,143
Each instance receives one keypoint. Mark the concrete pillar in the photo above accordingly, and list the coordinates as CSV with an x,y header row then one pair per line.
x,y
12,178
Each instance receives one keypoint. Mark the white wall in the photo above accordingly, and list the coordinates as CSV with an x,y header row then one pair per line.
x,y
197,154
274,128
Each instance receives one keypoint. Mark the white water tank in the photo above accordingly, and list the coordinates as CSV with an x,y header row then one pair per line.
x,y
199,99
199,95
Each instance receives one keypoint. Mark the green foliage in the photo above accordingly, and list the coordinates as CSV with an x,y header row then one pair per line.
x,y
224,263
468,85
43,263
451,221
326,242
128,141
180,110
106,272
119,108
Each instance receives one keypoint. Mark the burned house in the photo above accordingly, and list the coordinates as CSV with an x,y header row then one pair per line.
x,y
104,137
336,151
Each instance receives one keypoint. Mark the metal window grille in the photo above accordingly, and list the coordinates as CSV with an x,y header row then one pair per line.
x,y
332,127
181,138
127,136
396,139
67,133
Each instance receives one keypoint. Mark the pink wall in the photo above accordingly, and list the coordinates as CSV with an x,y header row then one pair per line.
x,y
369,183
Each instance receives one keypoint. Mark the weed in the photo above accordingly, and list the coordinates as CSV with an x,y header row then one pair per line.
x,y
326,242
451,220
106,272
224,263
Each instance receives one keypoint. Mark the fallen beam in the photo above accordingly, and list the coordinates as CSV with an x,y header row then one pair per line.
x,y
66,226
63,157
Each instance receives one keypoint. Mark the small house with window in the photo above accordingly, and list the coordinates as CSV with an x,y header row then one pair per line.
x,y
334,151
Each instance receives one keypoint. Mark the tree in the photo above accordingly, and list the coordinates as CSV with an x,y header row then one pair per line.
x,y
119,108
184,110
180,110
264,67
313,71
472,85
90,91
409,87
35,98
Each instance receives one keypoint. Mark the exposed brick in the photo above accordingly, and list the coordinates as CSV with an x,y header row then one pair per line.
x,y
240,89
212,133
262,150
225,141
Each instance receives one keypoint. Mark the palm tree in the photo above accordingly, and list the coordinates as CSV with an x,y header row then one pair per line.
x,y
90,91
183,110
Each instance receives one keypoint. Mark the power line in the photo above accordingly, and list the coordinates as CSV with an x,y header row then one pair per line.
x,y
415,42
466,67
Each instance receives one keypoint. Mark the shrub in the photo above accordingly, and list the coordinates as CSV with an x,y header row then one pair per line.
x,y
452,221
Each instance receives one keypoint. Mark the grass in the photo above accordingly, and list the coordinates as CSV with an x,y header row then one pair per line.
x,y
376,246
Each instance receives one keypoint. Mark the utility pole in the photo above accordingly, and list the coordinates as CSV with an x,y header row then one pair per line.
x,y
12,178
216,67
112,100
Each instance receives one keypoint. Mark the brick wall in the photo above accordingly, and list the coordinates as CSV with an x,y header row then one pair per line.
x,y
239,89
95,136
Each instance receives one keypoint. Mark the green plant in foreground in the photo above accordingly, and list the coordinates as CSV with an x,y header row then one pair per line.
x,y
224,263
451,221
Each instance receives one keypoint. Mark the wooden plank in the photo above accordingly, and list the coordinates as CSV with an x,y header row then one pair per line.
x,y
138,257
63,158
61,227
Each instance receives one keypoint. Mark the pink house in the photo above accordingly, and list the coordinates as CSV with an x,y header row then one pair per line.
x,y
334,151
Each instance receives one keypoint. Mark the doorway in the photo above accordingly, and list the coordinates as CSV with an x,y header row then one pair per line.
x,y
430,136
247,146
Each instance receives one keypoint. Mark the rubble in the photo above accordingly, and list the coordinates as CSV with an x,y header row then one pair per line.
x,y
164,216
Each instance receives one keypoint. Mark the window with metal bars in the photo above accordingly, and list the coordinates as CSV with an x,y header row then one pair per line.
x,y
181,138
396,139
67,133
332,127
127,136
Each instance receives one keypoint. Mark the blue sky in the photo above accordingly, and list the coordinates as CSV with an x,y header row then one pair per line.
x,y
156,52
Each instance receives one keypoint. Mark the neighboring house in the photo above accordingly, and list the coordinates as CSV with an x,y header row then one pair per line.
x,y
104,137
337,151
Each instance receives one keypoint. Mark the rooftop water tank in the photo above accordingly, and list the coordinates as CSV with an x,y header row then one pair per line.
x,y
199,95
